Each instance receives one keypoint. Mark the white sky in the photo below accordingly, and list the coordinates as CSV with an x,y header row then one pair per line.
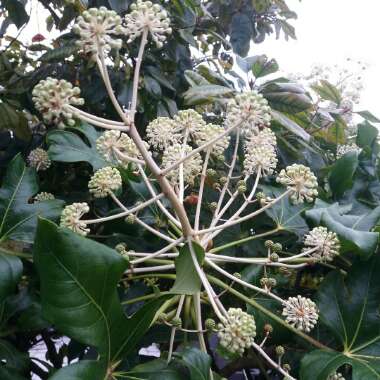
x,y
328,32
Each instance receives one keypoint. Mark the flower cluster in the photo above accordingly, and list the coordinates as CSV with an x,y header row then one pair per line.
x,y
301,313
343,149
39,159
248,111
237,331
116,147
260,152
300,180
161,132
71,215
209,132
191,168
43,196
149,17
96,28
53,97
189,121
326,242
104,181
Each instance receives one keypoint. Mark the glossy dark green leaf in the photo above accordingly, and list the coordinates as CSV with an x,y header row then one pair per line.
x,y
342,173
285,215
241,33
157,369
84,370
59,53
335,132
288,102
152,86
66,146
12,358
78,290
197,362
11,119
206,94
10,274
368,116
290,125
16,11
327,91
367,135
353,230
18,218
349,308
263,66
187,279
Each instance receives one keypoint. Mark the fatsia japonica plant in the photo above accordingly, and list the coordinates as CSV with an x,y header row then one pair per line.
x,y
175,160
202,208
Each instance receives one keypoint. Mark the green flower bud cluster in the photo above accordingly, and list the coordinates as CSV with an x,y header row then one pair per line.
x,y
53,97
237,331
39,159
70,218
301,181
104,181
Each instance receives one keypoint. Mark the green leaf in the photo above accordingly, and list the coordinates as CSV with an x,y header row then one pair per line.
x,y
342,173
16,12
348,307
263,66
327,91
84,370
290,125
10,274
119,6
368,116
78,290
286,215
197,362
334,133
60,53
195,79
11,119
18,218
152,86
241,33
13,359
187,279
205,94
157,369
66,146
353,230
367,134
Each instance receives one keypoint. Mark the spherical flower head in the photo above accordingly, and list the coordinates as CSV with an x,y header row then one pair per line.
x,y
39,159
237,331
146,16
104,181
207,132
97,28
191,167
248,111
301,313
301,181
70,218
53,97
336,376
43,196
326,242
112,143
343,149
162,132
260,152
189,120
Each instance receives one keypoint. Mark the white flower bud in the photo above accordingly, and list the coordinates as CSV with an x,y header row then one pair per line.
x,y
43,196
149,17
104,181
70,218
301,181
326,241
301,313
343,149
39,159
237,331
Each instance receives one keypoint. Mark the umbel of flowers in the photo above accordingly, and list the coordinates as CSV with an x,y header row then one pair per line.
x,y
180,157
